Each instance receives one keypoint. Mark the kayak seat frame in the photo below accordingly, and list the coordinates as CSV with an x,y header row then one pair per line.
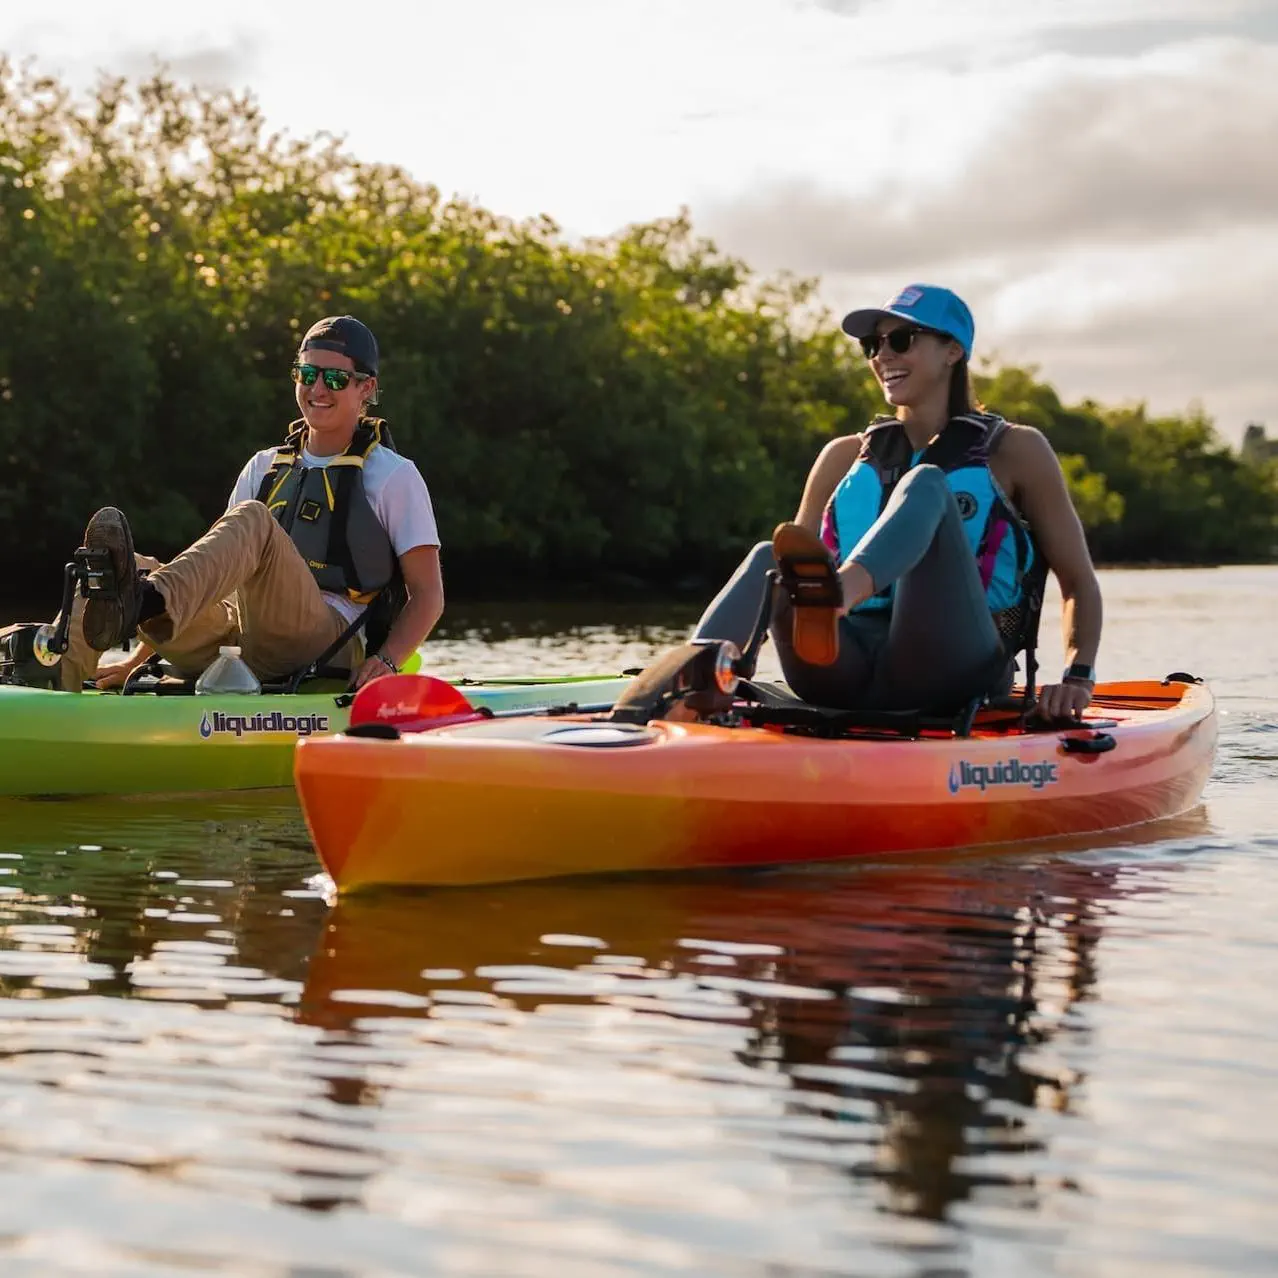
x,y
156,677
772,705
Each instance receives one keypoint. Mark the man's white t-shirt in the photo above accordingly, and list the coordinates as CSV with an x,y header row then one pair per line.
x,y
394,487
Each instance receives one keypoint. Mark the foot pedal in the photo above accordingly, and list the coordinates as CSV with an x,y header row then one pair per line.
x,y
810,583
96,574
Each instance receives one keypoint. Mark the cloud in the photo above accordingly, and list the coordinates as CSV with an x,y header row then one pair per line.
x,y
73,44
1096,156
994,29
1120,228
228,64
1170,323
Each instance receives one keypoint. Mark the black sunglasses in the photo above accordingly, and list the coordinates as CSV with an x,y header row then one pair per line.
x,y
899,340
336,379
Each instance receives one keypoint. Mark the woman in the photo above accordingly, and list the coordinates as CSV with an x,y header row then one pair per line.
x,y
911,538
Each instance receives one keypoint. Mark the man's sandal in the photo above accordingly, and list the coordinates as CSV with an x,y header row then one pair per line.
x,y
113,585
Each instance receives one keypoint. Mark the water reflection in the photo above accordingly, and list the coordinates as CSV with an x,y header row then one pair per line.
x,y
813,1072
899,1024
151,897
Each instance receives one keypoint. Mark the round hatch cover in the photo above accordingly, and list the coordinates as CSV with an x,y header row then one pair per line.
x,y
600,734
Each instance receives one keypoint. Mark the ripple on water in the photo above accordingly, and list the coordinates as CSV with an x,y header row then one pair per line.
x,y
1053,1060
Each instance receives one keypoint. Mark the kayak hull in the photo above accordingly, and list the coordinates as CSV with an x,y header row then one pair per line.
x,y
61,743
492,802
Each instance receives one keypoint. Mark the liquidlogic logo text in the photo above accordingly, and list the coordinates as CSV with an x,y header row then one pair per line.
x,y
983,776
240,725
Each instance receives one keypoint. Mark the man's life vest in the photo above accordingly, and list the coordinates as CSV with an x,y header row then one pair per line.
x,y
327,514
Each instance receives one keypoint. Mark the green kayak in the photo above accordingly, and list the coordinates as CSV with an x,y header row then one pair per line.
x,y
104,743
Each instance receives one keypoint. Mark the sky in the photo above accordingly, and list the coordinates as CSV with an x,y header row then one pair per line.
x,y
1098,178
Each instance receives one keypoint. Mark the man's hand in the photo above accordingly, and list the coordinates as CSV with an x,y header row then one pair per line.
x,y
373,668
112,674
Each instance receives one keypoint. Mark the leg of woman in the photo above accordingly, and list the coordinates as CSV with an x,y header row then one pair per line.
x,y
845,684
942,645
734,612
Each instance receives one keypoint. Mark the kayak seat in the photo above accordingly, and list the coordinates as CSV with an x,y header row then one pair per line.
x,y
773,704
824,721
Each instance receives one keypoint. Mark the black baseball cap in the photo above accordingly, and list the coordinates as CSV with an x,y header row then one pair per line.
x,y
347,336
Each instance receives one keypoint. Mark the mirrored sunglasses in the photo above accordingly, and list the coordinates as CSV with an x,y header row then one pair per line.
x,y
336,379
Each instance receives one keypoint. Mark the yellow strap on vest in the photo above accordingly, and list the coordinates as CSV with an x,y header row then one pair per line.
x,y
289,455
287,459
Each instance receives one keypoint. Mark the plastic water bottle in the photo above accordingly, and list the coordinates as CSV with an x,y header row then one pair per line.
x,y
229,673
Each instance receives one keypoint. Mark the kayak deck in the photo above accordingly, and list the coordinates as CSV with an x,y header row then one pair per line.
x,y
103,743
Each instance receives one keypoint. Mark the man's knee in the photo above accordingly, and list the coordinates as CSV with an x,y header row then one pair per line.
x,y
250,514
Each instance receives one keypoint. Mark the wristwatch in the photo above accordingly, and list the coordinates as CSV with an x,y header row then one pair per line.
x,y
387,662
1079,672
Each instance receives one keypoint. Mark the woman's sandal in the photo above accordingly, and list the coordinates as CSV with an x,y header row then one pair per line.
x,y
809,578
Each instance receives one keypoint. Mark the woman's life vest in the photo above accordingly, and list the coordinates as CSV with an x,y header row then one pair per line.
x,y
999,537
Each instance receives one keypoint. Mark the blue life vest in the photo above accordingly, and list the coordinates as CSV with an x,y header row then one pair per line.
x,y
999,537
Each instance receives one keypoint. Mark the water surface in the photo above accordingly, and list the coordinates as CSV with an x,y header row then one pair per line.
x,y
1053,1060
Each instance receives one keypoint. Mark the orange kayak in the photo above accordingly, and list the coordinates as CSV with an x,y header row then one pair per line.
x,y
507,799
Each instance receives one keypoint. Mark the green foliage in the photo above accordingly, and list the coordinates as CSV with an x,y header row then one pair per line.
x,y
1095,503
624,408
1149,489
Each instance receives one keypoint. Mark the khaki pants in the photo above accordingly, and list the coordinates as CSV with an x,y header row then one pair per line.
x,y
243,583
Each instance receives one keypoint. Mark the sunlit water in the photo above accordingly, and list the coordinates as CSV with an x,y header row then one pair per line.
x,y
1047,1061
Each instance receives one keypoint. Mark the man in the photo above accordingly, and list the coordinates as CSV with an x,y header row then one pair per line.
x,y
313,533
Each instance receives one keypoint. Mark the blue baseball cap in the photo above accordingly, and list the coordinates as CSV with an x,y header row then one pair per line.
x,y
928,306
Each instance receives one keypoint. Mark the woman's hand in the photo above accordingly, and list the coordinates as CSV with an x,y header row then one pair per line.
x,y
1065,700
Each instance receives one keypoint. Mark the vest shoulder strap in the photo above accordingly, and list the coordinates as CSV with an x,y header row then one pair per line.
x,y
965,441
370,432
285,458
885,446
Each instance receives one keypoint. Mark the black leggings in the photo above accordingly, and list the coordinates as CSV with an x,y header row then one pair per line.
x,y
934,649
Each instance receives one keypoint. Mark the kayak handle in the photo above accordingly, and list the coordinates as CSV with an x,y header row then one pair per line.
x,y
1097,743
378,731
